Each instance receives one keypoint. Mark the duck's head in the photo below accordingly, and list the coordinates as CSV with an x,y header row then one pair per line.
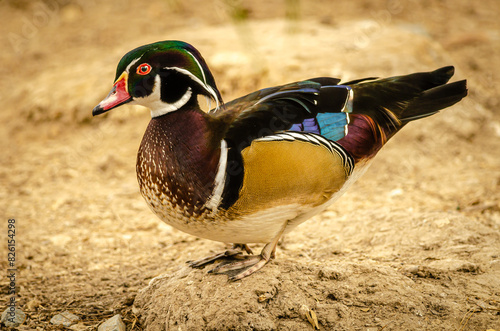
x,y
164,77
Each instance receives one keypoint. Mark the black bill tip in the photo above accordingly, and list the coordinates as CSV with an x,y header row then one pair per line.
x,y
98,110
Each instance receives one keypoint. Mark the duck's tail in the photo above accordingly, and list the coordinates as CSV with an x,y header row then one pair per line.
x,y
393,102
381,107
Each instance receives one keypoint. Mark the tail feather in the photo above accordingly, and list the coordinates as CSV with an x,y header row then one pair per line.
x,y
382,107
435,99
393,102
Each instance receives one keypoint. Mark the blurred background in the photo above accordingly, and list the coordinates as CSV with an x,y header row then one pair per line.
x,y
69,179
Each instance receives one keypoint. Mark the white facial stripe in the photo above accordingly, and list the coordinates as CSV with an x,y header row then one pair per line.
x,y
220,179
208,88
199,66
132,63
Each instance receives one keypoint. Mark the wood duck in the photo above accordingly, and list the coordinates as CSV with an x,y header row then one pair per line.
x,y
251,170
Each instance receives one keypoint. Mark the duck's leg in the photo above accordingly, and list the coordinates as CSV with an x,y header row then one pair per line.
x,y
254,262
236,252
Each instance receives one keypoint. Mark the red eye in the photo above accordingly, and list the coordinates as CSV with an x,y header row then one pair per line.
x,y
144,69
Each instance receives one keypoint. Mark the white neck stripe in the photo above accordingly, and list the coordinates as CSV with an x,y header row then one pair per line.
x,y
207,87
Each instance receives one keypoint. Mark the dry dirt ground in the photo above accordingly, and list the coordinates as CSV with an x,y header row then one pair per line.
x,y
414,245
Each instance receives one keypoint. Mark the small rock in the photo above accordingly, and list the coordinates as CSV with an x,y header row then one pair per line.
x,y
330,274
13,317
65,319
410,269
469,267
456,265
114,323
79,327
264,297
129,300
33,304
136,310
495,265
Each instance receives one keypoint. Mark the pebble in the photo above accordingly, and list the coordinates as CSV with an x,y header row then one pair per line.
x,y
114,323
13,321
79,327
65,319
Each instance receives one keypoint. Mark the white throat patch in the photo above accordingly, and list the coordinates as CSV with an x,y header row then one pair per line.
x,y
156,105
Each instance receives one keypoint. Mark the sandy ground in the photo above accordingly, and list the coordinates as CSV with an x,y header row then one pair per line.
x,y
415,244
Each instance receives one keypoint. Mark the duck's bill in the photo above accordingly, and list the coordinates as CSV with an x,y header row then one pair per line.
x,y
118,96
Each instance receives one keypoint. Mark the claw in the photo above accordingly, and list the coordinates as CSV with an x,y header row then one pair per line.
x,y
244,247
